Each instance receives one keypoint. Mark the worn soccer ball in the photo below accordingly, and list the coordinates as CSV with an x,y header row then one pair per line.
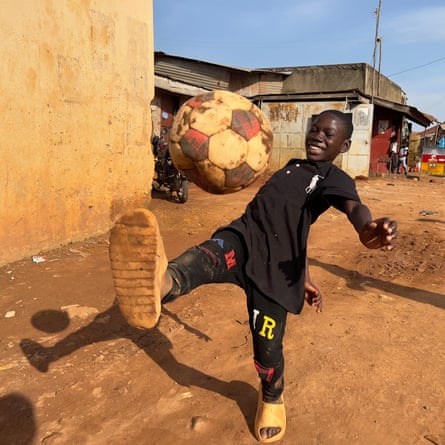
x,y
220,141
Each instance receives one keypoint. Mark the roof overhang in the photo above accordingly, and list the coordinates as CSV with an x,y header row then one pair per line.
x,y
342,95
174,86
408,111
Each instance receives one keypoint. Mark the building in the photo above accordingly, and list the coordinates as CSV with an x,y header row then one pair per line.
x,y
427,150
77,79
289,96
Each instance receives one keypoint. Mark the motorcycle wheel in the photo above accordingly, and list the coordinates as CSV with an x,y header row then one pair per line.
x,y
182,191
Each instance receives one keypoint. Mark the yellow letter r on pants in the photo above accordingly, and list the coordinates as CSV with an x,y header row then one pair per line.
x,y
267,330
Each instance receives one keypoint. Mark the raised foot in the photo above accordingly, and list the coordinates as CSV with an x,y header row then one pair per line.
x,y
138,266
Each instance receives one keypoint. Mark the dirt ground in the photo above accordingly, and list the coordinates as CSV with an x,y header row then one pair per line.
x,y
369,370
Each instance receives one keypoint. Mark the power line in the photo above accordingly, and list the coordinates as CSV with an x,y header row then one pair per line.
x,y
417,67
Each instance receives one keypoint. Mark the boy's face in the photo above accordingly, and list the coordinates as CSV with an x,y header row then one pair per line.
x,y
326,139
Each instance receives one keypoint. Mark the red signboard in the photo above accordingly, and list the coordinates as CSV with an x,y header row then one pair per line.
x,y
433,158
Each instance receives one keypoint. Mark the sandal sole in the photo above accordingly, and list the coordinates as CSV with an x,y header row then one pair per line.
x,y
138,263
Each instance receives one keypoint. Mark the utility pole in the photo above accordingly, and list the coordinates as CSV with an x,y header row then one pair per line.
x,y
377,41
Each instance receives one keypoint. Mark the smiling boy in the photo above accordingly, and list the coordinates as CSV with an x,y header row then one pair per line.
x,y
264,252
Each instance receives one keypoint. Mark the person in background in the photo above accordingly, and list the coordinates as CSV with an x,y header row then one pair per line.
x,y
392,153
402,160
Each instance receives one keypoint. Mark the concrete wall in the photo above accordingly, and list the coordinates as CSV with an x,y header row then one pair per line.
x,y
77,80
290,122
338,78
383,87
326,78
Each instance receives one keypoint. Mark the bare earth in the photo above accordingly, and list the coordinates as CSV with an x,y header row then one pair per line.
x,y
369,370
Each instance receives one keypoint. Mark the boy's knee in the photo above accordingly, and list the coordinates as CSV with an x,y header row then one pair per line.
x,y
265,374
194,267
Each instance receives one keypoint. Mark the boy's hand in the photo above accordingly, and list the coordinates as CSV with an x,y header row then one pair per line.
x,y
313,296
379,233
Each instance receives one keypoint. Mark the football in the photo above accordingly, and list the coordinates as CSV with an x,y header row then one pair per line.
x,y
220,141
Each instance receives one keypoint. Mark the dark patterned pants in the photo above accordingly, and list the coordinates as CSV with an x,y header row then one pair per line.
x,y
222,259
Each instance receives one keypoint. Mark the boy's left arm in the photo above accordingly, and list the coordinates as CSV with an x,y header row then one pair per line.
x,y
312,294
373,234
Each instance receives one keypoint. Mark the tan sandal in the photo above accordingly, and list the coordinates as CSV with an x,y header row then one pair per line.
x,y
270,415
138,265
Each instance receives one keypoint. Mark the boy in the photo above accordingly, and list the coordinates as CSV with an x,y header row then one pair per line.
x,y
263,251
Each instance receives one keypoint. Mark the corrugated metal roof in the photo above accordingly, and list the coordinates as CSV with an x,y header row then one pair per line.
x,y
210,75
207,77
160,54
410,112
431,132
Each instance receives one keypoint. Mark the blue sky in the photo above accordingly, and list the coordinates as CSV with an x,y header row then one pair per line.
x,y
267,33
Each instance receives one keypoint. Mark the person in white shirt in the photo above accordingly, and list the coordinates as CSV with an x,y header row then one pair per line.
x,y
403,157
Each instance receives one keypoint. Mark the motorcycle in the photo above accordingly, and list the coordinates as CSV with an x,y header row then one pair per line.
x,y
168,177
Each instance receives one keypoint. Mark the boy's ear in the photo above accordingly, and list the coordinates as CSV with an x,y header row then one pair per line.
x,y
345,146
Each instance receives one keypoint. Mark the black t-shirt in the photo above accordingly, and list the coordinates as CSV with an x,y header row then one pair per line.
x,y
275,226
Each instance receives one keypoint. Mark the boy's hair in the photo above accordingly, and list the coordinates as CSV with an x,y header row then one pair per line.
x,y
344,118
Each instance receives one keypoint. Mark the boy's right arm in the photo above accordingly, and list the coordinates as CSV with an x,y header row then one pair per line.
x,y
379,233
372,233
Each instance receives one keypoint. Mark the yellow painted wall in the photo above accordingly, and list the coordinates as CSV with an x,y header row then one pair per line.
x,y
76,82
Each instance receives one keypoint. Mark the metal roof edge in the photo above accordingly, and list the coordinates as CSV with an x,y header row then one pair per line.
x,y
409,111
235,68
349,94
